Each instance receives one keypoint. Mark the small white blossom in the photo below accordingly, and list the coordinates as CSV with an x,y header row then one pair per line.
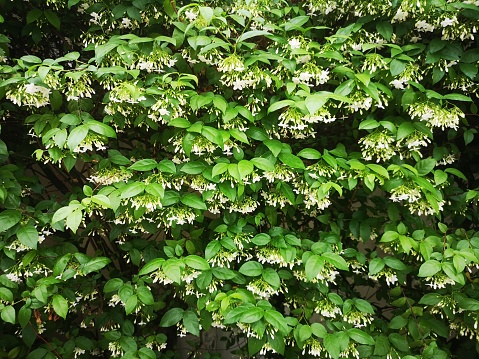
x,y
448,22
294,43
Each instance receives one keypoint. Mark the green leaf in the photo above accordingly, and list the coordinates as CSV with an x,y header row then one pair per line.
x,y
315,102
360,336
172,269
336,343
296,22
24,315
376,265
235,314
394,263
368,124
251,315
77,135
467,303
32,16
382,346
456,173
251,269
101,128
191,323
313,266
193,201
431,299
277,320
112,285
261,239
425,166
211,249
146,353
379,170
389,236
52,18
363,306
291,160
223,273
117,158
6,294
470,70
310,154
196,262
404,130
60,305
28,236
233,171
180,123
319,330
74,219
144,165
336,260
8,314
170,197
271,277
132,189
253,33
219,168
385,29
399,342
102,50
240,136
457,97
245,168
94,265
305,333
396,67
429,268
155,189
280,104
193,168
8,219
398,322
131,303
262,163
204,279
151,266
171,317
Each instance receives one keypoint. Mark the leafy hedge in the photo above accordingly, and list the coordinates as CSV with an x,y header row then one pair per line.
x,y
301,174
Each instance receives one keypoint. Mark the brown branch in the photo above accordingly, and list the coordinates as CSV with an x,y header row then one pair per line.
x,y
46,342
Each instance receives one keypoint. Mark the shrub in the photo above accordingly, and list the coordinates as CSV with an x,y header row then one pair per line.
x,y
302,175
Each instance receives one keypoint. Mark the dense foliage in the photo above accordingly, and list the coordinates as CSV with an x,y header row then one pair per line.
x,y
301,174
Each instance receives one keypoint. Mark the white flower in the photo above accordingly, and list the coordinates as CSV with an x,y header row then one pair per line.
x,y
303,59
415,39
400,15
424,26
77,351
190,15
125,22
95,18
294,43
398,84
447,22
32,89
81,9
14,277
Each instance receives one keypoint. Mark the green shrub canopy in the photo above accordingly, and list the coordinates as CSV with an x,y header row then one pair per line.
x,y
301,174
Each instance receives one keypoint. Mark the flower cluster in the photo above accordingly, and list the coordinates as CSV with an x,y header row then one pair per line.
x,y
90,142
29,95
377,144
108,176
435,115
